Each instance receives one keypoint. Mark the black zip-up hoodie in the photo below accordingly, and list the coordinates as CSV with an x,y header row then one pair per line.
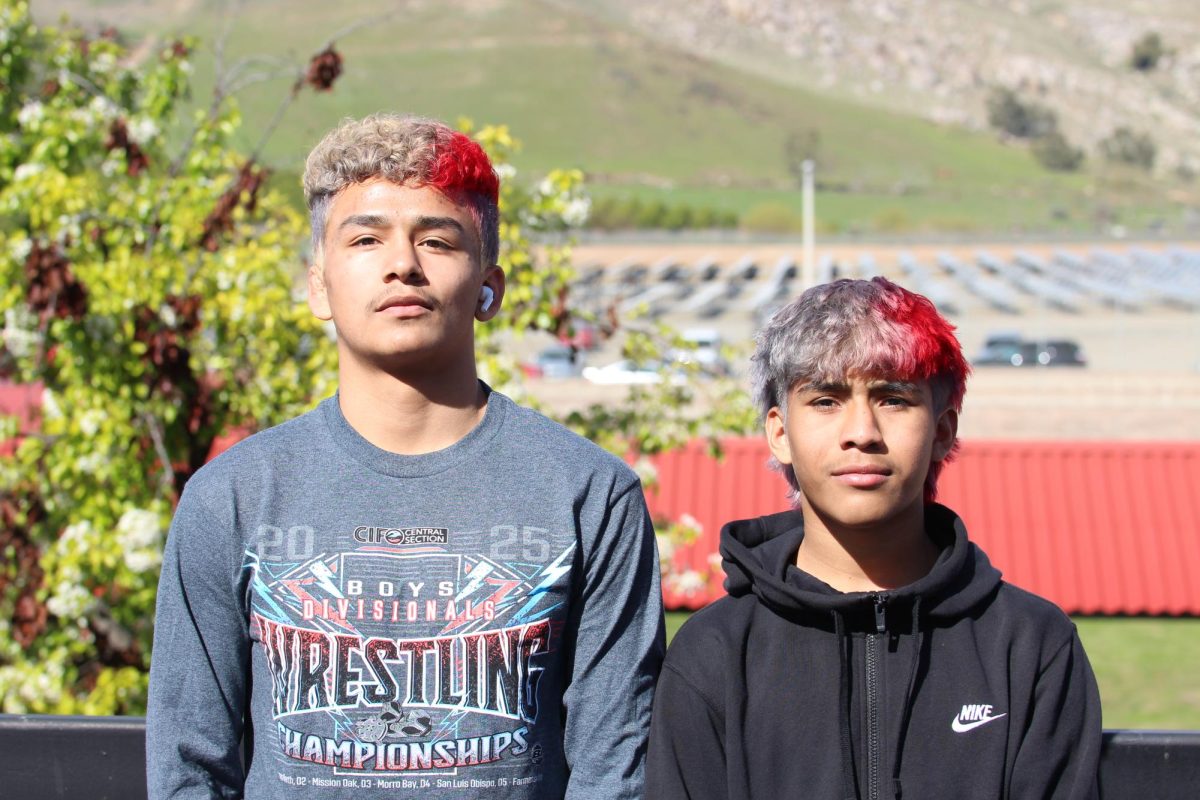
x,y
954,687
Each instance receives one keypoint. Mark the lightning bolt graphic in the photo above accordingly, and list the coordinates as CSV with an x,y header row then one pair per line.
x,y
449,725
324,576
261,589
477,574
552,573
341,724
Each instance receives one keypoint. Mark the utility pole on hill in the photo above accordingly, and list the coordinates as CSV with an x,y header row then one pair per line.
x,y
809,271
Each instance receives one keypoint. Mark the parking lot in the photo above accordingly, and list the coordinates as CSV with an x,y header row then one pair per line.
x,y
1142,379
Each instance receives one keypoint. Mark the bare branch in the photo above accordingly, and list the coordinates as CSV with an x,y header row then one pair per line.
x,y
84,83
167,476
231,12
300,73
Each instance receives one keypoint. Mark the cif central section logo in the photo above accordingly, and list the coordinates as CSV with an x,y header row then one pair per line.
x,y
367,534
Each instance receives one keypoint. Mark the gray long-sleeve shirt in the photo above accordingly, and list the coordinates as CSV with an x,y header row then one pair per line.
x,y
483,621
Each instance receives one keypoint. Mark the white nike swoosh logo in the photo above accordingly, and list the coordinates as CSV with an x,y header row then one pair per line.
x,y
963,727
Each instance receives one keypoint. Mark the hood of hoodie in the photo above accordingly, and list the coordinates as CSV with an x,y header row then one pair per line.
x,y
759,557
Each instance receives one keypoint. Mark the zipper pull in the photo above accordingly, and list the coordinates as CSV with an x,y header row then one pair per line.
x,y
880,613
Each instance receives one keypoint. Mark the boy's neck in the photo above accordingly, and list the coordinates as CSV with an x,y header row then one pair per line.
x,y
415,413
894,553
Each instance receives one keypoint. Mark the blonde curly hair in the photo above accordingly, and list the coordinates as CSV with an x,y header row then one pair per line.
x,y
404,150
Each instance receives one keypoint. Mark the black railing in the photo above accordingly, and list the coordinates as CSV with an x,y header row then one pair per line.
x,y
104,758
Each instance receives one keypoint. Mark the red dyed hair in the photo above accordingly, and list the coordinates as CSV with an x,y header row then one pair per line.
x,y
462,166
872,328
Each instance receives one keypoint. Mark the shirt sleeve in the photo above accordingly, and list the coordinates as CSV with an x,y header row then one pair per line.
x,y
1059,755
617,620
199,666
687,748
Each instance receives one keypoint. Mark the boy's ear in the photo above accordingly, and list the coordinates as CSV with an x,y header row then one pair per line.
x,y
318,296
493,279
945,432
777,438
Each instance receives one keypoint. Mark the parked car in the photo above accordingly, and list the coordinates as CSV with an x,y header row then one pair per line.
x,y
1007,353
705,350
1010,351
1060,353
556,361
624,371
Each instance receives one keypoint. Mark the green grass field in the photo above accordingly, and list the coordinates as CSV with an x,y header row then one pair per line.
x,y
1147,669
643,118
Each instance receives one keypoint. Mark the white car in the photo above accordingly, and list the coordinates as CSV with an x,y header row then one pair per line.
x,y
623,372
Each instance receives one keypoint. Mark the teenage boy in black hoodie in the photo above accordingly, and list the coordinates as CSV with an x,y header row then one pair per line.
x,y
867,648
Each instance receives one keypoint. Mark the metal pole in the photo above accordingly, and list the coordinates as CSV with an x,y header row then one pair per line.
x,y
810,262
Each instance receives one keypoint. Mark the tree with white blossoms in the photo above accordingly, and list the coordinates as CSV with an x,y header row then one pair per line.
x,y
151,286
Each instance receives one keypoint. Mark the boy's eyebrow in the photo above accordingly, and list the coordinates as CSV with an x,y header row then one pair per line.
x,y
895,387
364,221
426,223
876,387
381,221
823,386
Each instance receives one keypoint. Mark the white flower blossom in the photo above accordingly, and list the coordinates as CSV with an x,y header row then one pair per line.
x,y
70,601
506,172
89,422
546,187
142,129
19,334
646,470
75,534
139,528
24,171
666,548
82,116
142,560
687,582
102,63
102,108
20,248
576,211
31,114
50,406
688,521
90,463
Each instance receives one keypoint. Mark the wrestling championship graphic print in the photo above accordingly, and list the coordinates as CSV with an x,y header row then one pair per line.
x,y
402,656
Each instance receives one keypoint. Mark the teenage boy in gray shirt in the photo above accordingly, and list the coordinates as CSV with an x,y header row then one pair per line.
x,y
418,589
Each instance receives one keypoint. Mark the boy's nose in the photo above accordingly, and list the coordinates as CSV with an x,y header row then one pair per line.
x,y
860,428
404,266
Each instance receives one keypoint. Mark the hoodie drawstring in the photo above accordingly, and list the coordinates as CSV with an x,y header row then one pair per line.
x,y
902,734
849,779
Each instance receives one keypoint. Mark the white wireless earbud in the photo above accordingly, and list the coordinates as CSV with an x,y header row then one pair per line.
x,y
486,296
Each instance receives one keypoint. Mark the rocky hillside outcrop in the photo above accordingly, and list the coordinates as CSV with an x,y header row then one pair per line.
x,y
941,58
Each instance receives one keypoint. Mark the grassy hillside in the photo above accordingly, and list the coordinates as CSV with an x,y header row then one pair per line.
x,y
642,117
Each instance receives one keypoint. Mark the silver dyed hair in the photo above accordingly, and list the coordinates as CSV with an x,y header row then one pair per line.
x,y
870,328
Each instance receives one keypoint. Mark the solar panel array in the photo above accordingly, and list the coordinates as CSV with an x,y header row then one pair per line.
x,y
1133,280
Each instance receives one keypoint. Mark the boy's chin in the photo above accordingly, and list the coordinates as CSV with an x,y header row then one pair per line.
x,y
866,514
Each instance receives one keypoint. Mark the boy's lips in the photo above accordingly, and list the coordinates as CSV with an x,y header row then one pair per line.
x,y
862,476
406,305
